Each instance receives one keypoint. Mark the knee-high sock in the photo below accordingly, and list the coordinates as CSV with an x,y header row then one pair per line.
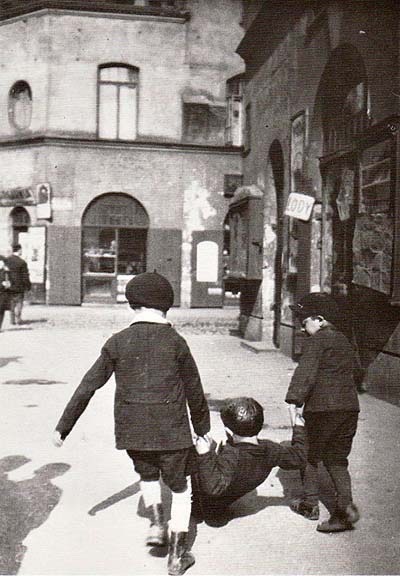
x,y
151,492
181,508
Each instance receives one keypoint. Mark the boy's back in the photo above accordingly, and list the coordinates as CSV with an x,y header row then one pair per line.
x,y
156,379
323,380
155,375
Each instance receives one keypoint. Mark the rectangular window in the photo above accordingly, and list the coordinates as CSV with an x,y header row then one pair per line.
x,y
108,111
234,112
374,230
203,123
127,119
118,103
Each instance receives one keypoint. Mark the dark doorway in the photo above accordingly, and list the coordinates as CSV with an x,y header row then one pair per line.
x,y
277,167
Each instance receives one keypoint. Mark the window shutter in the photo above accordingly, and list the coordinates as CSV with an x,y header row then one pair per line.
x,y
64,265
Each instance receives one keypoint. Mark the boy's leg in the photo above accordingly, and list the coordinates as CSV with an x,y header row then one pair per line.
x,y
181,507
175,474
147,466
308,506
12,309
336,463
19,302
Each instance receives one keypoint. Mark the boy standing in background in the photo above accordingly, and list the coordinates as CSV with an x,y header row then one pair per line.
x,y
323,385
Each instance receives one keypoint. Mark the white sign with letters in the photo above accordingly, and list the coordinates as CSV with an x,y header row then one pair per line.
x,y
299,206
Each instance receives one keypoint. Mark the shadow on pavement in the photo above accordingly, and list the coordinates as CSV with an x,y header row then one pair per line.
x,y
30,382
5,361
24,506
115,498
35,321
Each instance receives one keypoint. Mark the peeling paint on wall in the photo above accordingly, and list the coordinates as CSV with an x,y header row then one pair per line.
x,y
197,209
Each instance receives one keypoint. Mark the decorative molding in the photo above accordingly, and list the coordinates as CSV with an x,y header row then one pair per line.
x,y
118,144
95,8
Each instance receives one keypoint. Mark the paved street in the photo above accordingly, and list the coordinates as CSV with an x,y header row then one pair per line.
x,y
75,510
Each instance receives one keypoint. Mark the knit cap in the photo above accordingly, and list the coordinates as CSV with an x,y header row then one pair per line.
x,y
151,290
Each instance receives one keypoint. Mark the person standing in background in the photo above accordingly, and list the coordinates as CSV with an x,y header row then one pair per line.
x,y
20,282
4,289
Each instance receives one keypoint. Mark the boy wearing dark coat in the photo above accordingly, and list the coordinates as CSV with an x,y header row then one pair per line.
x,y
323,386
156,379
245,461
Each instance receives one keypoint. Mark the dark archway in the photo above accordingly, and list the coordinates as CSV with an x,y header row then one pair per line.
x,y
20,222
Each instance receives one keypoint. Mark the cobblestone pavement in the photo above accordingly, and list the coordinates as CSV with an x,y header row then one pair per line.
x,y
75,510
117,316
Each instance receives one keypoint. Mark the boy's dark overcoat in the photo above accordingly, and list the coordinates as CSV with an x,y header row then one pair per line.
x,y
324,379
155,376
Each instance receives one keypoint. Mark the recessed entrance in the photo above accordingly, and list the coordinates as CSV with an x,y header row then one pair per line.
x,y
114,246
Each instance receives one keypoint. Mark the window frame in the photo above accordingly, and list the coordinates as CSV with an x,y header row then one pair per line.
x,y
118,84
12,101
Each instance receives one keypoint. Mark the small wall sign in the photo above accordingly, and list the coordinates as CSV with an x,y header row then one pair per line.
x,y
299,206
17,197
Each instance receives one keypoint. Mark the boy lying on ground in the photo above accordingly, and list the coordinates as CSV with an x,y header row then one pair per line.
x,y
226,474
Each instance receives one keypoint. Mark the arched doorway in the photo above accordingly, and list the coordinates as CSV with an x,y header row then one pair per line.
x,y
20,222
273,235
114,246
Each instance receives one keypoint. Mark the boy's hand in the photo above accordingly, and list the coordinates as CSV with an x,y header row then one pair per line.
x,y
295,413
299,420
57,440
203,444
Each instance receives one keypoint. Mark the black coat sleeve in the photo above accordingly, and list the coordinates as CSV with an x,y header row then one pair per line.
x,y
287,457
305,375
199,412
94,379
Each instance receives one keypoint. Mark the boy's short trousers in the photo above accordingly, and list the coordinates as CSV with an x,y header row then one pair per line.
x,y
172,465
330,436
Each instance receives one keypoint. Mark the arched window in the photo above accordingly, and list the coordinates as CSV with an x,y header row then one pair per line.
x,y
20,105
117,101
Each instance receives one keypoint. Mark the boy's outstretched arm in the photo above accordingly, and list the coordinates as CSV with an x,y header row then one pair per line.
x,y
288,457
94,379
304,377
199,412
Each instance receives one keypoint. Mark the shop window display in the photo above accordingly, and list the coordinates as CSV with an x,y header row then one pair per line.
x,y
114,242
